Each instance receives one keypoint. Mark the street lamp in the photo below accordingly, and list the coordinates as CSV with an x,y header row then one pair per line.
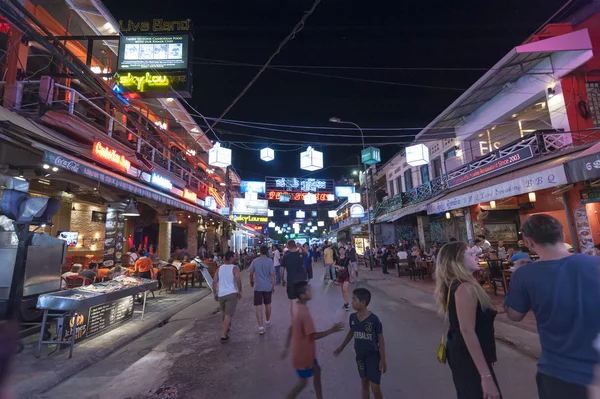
x,y
355,172
362,136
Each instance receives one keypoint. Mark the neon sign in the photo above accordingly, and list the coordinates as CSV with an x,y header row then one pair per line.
x,y
215,194
161,181
107,154
276,195
301,184
149,81
246,219
189,195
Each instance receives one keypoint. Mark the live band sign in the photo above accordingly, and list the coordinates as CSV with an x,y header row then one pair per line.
x,y
501,163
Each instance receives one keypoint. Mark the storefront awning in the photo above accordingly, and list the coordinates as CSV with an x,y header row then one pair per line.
x,y
77,166
586,166
529,178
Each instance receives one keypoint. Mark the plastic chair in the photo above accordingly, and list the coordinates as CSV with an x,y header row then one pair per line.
x,y
187,272
76,281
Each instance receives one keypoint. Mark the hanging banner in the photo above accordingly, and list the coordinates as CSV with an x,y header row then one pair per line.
x,y
543,179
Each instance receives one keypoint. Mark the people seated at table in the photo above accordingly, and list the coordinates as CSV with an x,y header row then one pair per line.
x,y
509,253
493,254
91,272
433,250
75,269
477,249
501,250
402,254
485,244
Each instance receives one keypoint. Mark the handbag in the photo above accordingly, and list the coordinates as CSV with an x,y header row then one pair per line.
x,y
441,352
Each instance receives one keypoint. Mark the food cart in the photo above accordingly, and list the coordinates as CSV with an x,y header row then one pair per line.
x,y
90,310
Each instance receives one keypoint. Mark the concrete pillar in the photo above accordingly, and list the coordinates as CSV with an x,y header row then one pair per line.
x,y
424,232
62,218
164,238
210,239
192,237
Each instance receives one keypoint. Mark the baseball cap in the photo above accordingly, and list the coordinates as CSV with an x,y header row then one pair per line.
x,y
520,255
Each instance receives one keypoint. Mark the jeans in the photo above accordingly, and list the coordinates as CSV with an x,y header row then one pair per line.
x,y
278,274
330,272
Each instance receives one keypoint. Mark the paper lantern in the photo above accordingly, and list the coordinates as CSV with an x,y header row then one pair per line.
x,y
269,212
271,224
311,159
354,198
219,156
332,214
267,154
300,214
417,155
320,223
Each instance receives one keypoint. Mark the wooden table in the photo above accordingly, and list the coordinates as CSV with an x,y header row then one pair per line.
x,y
506,275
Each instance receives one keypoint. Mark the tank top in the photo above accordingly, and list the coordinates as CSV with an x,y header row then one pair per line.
x,y
226,280
484,329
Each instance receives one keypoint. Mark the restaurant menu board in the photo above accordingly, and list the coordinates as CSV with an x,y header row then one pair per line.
x,y
584,232
91,321
119,239
108,314
110,237
207,277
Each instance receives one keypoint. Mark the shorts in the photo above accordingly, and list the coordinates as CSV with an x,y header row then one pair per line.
x,y
290,291
354,265
306,373
368,367
262,297
343,277
228,304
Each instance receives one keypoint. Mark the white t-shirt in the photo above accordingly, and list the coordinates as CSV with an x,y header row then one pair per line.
x,y
476,250
486,244
402,255
276,258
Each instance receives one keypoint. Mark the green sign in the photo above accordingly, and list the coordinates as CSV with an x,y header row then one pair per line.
x,y
371,156
589,196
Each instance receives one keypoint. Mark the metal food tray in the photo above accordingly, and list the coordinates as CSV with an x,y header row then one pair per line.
x,y
65,301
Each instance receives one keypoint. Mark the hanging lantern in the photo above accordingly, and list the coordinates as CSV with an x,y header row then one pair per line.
x,y
311,159
300,214
267,154
286,213
330,197
353,198
332,214
270,212
310,199
320,223
219,156
271,224
417,155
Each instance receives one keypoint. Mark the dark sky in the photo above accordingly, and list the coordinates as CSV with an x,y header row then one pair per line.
x,y
416,34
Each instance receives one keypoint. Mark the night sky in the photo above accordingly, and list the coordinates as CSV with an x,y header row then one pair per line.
x,y
417,34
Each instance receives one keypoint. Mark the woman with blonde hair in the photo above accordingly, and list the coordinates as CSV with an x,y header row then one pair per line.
x,y
471,346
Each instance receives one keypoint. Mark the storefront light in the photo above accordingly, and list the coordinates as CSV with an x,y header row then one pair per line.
x,y
286,213
271,224
330,197
332,214
320,223
270,212
493,204
448,215
532,197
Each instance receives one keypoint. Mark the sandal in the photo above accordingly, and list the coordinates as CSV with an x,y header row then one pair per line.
x,y
224,339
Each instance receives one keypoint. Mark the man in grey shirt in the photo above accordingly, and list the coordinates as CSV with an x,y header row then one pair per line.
x,y
263,273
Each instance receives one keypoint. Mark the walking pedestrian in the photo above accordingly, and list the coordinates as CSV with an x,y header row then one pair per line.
x,y
262,278
277,264
353,263
385,256
308,261
369,344
227,287
303,335
471,345
563,291
328,260
343,275
292,263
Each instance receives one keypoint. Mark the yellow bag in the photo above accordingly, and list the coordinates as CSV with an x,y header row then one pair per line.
x,y
441,353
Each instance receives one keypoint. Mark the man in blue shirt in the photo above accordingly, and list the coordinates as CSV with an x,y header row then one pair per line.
x,y
563,291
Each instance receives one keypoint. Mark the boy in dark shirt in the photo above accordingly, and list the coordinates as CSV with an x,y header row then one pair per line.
x,y
369,344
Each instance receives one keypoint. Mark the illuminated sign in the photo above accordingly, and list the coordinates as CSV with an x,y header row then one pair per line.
x,y
217,197
161,181
153,84
242,206
250,219
344,191
247,186
357,211
107,154
210,203
306,185
189,195
156,25
276,195
153,52
284,198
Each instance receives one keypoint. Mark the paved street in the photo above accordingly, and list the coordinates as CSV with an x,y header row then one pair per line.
x,y
184,359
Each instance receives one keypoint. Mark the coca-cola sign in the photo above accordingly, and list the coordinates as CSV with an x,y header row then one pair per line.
x,y
62,162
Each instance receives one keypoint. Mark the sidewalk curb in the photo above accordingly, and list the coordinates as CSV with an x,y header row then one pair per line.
x,y
504,332
74,366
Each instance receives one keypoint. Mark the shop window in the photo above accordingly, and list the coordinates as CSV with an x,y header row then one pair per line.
x,y
449,154
437,167
408,183
425,174
593,94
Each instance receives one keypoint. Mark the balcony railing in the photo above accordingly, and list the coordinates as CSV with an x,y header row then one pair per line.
x,y
541,142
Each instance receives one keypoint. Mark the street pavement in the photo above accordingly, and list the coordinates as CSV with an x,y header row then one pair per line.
x,y
184,358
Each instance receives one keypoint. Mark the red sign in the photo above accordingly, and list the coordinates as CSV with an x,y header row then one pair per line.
x,y
215,194
112,157
274,195
189,195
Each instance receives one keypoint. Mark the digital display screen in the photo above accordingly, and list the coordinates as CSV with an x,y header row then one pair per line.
x,y
69,236
150,52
